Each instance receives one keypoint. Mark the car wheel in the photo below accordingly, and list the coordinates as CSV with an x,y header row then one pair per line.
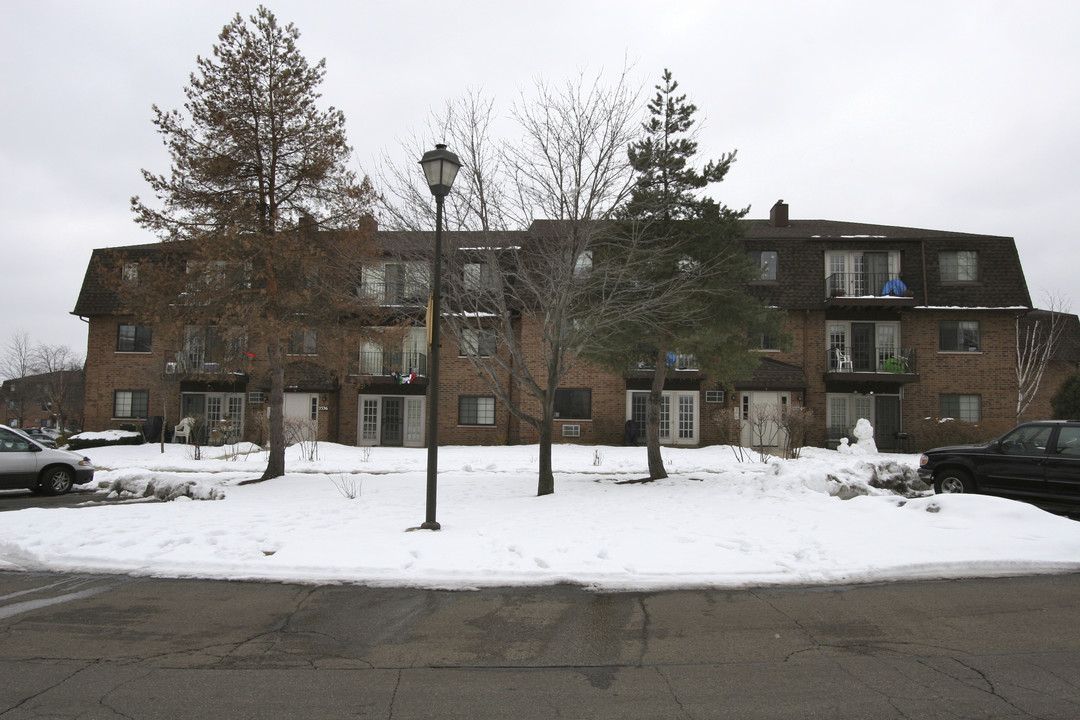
x,y
57,481
953,481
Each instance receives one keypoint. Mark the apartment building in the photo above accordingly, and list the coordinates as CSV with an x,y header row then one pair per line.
x,y
887,323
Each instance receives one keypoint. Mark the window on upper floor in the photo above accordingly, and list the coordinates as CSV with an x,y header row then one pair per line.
x,y
962,407
860,273
133,338
768,341
303,342
130,273
583,264
766,260
479,277
131,404
395,283
864,346
478,342
476,410
573,403
958,335
959,265
206,348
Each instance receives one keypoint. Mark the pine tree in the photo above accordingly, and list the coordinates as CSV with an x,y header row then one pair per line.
x,y
694,255
256,168
1066,401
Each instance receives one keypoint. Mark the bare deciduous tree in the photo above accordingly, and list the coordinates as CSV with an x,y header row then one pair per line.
x,y
59,368
1037,336
18,358
540,302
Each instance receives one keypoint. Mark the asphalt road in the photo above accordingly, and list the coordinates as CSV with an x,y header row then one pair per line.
x,y
115,647
79,495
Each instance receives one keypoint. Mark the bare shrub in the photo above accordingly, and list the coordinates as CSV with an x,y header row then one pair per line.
x,y
348,485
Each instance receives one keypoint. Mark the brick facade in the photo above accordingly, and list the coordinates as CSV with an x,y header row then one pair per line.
x,y
800,374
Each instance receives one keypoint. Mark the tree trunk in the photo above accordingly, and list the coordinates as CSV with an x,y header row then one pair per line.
x,y
652,415
546,482
275,466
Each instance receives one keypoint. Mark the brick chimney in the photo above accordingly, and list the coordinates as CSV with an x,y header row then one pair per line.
x,y
778,216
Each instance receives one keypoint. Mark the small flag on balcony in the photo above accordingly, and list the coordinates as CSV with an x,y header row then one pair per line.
x,y
406,379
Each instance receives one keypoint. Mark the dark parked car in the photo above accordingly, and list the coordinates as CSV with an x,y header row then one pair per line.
x,y
25,463
40,436
1037,461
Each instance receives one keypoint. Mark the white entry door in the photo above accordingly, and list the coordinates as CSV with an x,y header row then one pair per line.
x,y
761,412
301,417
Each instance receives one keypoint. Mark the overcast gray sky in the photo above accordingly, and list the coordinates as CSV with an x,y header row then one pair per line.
x,y
950,115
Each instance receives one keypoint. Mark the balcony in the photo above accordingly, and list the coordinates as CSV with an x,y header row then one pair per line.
x,y
677,362
186,365
885,364
388,364
411,294
862,289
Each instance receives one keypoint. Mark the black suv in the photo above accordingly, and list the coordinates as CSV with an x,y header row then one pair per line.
x,y
1036,461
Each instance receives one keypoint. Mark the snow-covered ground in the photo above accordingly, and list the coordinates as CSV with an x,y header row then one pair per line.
x,y
718,521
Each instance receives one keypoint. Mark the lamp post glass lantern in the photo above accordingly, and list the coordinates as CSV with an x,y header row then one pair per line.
x,y
440,168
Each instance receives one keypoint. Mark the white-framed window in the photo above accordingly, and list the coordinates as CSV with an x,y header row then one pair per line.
x,y
860,272
133,338
766,260
131,404
868,346
714,396
476,410
959,265
303,342
583,263
479,277
843,410
395,283
478,342
961,407
958,335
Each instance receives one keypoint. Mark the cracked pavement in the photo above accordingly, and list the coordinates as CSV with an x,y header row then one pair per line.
x,y
110,647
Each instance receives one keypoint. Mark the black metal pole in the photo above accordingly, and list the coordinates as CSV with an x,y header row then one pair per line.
x,y
433,374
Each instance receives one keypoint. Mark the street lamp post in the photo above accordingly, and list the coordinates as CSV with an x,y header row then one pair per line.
x,y
440,168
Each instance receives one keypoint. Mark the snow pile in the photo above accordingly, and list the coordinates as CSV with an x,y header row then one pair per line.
x,y
351,516
138,484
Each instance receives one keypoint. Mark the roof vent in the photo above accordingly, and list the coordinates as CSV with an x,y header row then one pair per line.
x,y
778,216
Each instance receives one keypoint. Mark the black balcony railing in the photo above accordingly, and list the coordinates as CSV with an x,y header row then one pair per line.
x,y
394,293
387,364
675,361
880,360
863,284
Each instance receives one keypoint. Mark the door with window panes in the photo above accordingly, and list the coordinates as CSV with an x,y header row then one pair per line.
x,y
678,415
219,417
390,420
